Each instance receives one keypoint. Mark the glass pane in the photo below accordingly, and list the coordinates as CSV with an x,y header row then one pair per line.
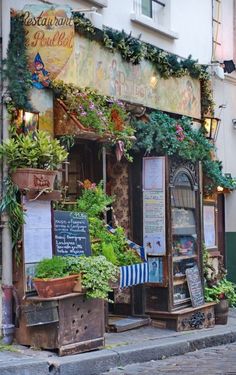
x,y
147,8
184,234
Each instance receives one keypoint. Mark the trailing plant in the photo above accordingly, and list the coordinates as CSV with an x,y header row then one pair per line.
x,y
15,69
10,204
175,137
100,113
34,150
97,274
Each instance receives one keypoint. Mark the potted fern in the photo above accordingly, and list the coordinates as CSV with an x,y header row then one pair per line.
x,y
33,159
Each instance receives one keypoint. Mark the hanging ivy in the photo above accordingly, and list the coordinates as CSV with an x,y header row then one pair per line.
x,y
164,135
15,69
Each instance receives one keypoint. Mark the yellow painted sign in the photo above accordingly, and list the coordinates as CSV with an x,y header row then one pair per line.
x,y
49,40
95,67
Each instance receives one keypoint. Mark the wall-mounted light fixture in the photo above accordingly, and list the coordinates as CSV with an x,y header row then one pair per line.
x,y
234,123
211,125
27,121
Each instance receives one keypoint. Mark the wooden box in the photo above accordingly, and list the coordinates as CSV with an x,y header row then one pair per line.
x,y
79,328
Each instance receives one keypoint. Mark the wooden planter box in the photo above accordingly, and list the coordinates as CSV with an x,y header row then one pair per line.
x,y
47,288
70,324
31,178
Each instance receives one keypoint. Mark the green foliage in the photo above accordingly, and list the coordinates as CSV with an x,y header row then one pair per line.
x,y
224,289
52,268
93,200
97,273
15,66
35,150
167,136
11,205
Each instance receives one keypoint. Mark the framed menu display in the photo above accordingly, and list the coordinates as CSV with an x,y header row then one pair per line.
x,y
153,173
209,223
154,239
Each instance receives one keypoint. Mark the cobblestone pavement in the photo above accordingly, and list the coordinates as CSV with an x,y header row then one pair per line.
x,y
220,360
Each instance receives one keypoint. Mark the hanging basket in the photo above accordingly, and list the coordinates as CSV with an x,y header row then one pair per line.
x,y
47,288
34,179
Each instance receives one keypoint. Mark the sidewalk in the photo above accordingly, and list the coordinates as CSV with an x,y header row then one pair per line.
x,y
138,345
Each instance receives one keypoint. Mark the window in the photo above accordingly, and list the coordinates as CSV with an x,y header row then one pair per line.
x,y
147,8
154,14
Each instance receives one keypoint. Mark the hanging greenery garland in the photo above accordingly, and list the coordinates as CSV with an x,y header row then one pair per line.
x,y
15,69
164,135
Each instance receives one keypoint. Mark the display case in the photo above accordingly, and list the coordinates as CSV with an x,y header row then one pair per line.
x,y
169,300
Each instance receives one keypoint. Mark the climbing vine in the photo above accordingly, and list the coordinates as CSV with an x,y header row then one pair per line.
x,y
164,135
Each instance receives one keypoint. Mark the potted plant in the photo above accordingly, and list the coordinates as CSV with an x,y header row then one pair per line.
x,y
59,275
224,294
218,289
53,278
33,159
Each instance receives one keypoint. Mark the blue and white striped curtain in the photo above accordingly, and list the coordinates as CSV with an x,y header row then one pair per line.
x,y
133,275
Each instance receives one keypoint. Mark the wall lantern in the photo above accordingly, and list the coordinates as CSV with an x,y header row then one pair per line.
x,y
27,121
211,125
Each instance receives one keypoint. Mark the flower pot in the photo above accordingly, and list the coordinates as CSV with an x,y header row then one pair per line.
x,y
221,312
32,178
47,288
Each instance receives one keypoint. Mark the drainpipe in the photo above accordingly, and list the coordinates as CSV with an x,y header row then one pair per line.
x,y
7,268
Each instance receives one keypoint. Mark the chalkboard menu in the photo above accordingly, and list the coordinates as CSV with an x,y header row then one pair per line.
x,y
195,286
71,234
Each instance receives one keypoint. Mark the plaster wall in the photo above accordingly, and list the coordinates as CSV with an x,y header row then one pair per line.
x,y
190,19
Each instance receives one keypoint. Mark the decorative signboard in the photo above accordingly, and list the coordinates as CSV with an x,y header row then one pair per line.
x,y
154,240
209,226
195,286
153,173
93,66
49,40
71,234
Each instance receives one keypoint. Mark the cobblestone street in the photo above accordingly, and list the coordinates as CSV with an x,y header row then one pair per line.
x,y
219,360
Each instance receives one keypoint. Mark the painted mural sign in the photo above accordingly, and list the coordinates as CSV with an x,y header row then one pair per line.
x,y
95,67
49,41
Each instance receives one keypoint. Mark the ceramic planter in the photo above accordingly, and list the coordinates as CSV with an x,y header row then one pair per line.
x,y
47,288
34,179
221,312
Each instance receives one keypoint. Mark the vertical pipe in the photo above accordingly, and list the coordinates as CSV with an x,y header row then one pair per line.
x,y
104,174
7,269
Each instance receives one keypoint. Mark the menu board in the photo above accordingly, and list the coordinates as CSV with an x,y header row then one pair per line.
x,y
195,286
154,240
153,173
154,222
209,226
71,234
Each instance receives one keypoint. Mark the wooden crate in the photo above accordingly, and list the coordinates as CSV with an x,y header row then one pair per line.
x,y
79,327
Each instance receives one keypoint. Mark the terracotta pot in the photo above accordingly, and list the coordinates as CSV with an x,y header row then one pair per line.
x,y
31,178
47,288
221,312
